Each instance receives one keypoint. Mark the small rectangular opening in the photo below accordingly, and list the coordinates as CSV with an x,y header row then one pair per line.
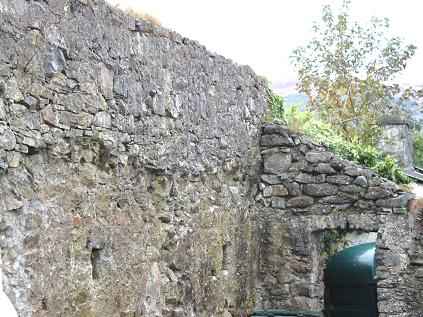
x,y
95,262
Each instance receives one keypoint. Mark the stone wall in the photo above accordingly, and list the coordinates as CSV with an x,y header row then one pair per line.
x,y
415,268
132,181
128,159
396,140
314,204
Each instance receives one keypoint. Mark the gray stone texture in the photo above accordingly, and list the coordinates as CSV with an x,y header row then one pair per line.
x,y
329,200
133,181
396,140
129,156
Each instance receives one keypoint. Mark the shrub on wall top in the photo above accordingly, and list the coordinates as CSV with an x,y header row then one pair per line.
x,y
306,122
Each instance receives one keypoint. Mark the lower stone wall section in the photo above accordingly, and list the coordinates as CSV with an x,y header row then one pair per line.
x,y
414,286
315,204
125,184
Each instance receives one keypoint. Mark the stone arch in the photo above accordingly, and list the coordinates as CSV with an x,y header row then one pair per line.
x,y
350,282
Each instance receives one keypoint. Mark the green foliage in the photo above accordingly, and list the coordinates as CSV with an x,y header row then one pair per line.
x,y
332,241
418,148
276,106
345,72
308,123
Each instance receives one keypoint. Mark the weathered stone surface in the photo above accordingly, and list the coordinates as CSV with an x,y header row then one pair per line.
x,y
351,189
339,179
13,159
331,204
360,181
271,179
50,116
2,110
305,178
275,129
12,91
277,163
318,157
7,138
397,202
324,168
105,79
151,304
339,199
278,203
130,186
294,189
320,190
300,202
55,61
11,203
279,190
267,191
275,140
103,120
124,179
377,193
353,171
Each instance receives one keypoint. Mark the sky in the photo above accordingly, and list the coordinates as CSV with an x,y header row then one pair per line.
x,y
264,33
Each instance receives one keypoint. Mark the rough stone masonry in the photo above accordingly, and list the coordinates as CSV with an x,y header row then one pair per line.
x,y
314,204
128,155
133,182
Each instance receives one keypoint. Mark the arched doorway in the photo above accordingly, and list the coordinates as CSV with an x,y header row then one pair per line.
x,y
350,284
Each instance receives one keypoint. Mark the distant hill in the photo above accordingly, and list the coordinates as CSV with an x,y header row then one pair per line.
x,y
413,109
295,100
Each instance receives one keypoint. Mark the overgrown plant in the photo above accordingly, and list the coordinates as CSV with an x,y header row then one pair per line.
x,y
418,148
346,70
332,241
276,106
140,15
307,122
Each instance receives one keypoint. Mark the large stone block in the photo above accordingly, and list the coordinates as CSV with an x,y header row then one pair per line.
x,y
318,157
397,202
320,190
7,138
277,163
276,140
278,202
271,179
324,168
305,178
339,179
279,190
300,202
377,193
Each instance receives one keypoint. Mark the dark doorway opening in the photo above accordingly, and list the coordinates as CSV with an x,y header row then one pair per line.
x,y
350,283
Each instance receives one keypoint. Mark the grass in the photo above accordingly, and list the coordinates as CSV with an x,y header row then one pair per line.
x,y
137,13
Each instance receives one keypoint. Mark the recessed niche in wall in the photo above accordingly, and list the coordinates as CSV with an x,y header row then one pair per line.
x,y
326,243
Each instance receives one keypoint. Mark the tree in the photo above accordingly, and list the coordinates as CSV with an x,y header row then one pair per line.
x,y
347,69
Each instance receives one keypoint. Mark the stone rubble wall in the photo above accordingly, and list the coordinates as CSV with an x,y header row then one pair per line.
x,y
414,283
311,201
133,182
128,164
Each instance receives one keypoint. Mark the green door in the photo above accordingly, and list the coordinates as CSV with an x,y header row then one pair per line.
x,y
350,285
